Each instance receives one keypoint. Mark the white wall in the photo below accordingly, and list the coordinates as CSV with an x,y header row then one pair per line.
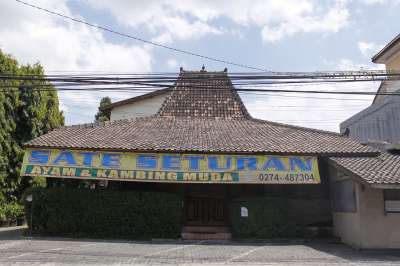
x,y
346,225
141,108
369,227
380,229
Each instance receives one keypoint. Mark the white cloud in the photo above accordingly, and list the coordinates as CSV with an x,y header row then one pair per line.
x,y
172,63
346,64
321,111
372,2
184,19
379,2
368,48
32,36
60,45
165,19
305,22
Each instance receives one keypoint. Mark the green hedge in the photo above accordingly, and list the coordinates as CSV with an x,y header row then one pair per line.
x,y
267,218
104,213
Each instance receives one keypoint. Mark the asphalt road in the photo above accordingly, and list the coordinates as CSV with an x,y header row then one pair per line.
x,y
18,250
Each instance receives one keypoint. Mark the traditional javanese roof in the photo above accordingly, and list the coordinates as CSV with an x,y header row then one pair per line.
x,y
202,135
204,95
202,113
384,169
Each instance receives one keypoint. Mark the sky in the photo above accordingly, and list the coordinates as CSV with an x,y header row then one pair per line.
x,y
276,35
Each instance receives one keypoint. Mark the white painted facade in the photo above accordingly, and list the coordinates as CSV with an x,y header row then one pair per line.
x,y
369,227
140,108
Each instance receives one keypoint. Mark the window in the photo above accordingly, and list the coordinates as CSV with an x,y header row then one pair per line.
x,y
344,199
392,200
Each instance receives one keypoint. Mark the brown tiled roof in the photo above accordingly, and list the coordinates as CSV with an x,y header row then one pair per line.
x,y
384,169
202,113
201,94
201,135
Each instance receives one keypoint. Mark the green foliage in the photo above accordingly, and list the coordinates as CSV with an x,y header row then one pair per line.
x,y
25,113
104,213
39,181
2,213
103,115
11,211
268,218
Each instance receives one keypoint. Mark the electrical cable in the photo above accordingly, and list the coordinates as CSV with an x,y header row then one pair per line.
x,y
141,39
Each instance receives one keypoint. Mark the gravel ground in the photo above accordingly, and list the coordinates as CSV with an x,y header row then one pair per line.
x,y
18,250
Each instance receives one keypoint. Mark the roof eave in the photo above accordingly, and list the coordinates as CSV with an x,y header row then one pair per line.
x,y
386,186
350,173
317,154
377,57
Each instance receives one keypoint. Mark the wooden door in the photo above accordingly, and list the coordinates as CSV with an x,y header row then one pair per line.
x,y
205,211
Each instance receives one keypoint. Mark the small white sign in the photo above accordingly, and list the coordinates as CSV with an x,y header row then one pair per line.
x,y
244,212
29,198
392,205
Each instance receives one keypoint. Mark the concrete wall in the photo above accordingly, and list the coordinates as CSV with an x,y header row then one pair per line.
x,y
369,227
380,229
346,225
394,63
145,107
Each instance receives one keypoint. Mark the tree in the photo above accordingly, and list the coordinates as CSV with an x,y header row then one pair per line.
x,y
25,113
8,147
102,114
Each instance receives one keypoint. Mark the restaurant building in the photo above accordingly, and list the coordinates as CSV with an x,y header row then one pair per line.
x,y
203,144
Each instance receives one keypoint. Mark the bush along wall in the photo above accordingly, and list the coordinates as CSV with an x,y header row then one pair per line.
x,y
267,218
104,213
11,214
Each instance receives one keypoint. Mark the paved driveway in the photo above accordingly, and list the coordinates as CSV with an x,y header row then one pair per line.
x,y
16,250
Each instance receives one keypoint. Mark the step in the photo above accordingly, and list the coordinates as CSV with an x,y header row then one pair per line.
x,y
320,231
206,236
205,229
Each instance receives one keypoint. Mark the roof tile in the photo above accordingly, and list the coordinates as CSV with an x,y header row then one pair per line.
x,y
384,169
202,113
201,135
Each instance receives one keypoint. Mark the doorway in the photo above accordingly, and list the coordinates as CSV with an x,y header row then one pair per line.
x,y
206,205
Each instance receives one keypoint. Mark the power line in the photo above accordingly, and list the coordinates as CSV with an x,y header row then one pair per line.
x,y
168,81
141,39
141,86
371,75
138,83
304,97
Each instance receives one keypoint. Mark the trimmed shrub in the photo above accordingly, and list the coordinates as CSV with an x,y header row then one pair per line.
x,y
3,216
13,211
267,218
104,213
